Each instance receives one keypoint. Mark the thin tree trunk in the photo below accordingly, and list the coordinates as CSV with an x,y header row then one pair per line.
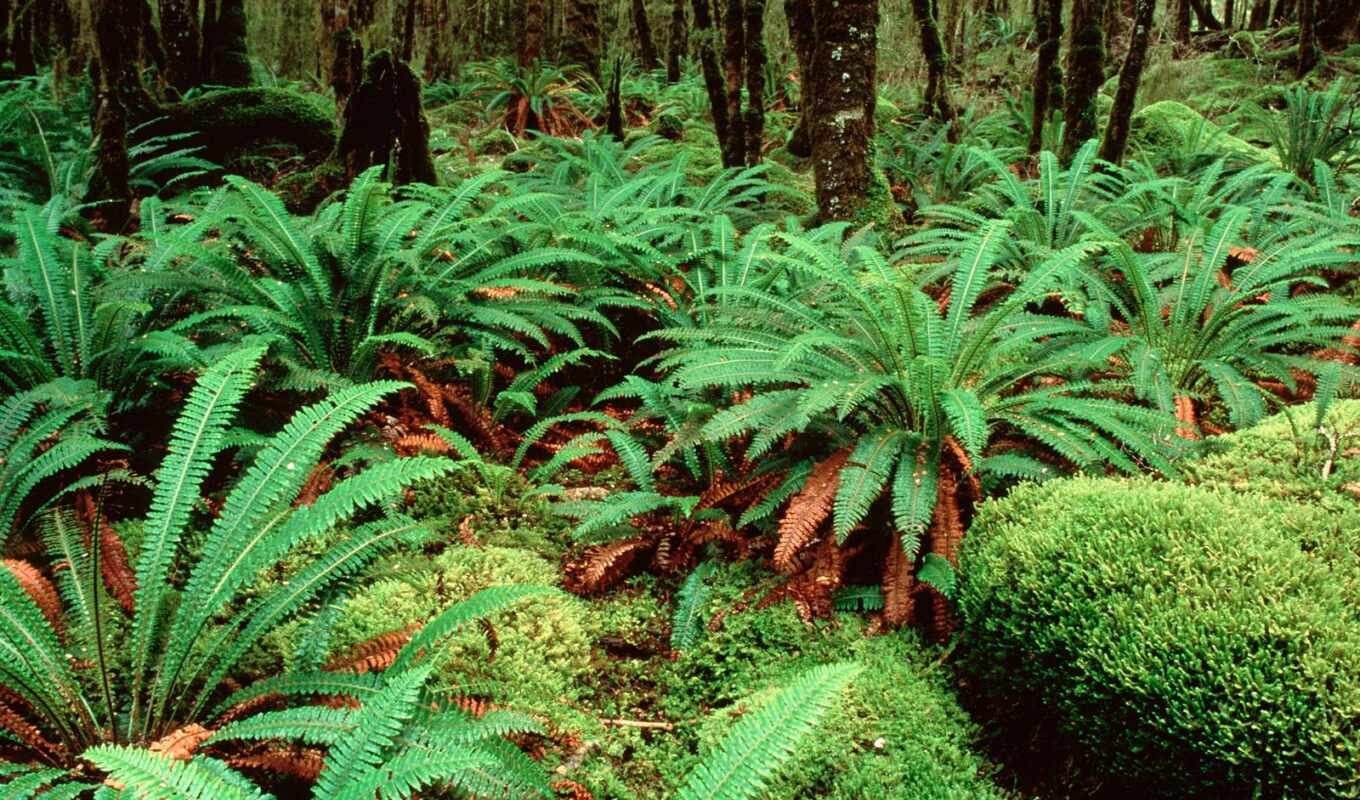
x,y
230,64
755,80
708,60
1205,12
676,55
1260,15
4,30
1308,49
646,46
734,51
582,43
22,45
408,32
938,105
1085,55
844,71
1284,11
531,42
179,33
1183,23
1047,73
803,35
116,23
1230,15
1117,131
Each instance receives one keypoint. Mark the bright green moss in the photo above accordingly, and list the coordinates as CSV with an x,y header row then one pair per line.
x,y
1169,125
1187,642
234,120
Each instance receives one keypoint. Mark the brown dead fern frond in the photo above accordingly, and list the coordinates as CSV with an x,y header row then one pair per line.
x,y
39,589
375,654
899,584
605,565
181,744
808,510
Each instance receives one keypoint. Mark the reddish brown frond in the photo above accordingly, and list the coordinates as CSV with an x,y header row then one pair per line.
x,y
899,584
571,790
415,443
808,510
738,494
303,763
119,578
180,745
374,655
39,588
1185,412
476,419
605,565
11,721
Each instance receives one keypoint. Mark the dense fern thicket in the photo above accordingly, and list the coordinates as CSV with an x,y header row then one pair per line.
x,y
787,401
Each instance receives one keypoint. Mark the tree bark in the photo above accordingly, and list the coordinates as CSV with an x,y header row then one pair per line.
x,y
1340,25
1205,13
708,60
531,41
1284,12
1230,15
385,124
803,36
676,54
1047,73
938,104
1182,23
1117,131
230,64
845,96
1260,15
755,80
1085,57
646,45
25,62
582,43
180,34
116,22
1308,49
734,45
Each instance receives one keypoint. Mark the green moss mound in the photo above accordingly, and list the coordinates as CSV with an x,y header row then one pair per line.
x,y
1284,457
541,648
1172,126
1186,641
897,733
234,123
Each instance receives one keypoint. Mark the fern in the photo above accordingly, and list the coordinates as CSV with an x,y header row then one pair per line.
x,y
686,623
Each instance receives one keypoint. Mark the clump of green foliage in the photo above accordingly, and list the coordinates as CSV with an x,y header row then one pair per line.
x,y
1183,640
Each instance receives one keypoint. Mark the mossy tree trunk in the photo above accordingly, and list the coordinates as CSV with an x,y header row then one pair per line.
x,y
531,36
385,124
1117,131
734,42
803,36
938,104
755,80
1338,23
1085,60
22,41
678,44
180,37
1260,15
1182,33
347,68
1230,15
1204,11
646,45
116,22
844,67
581,44
230,58
1308,48
708,61
408,31
1284,12
1047,74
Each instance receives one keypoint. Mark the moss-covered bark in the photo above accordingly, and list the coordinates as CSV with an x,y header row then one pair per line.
x,y
708,61
180,34
581,44
646,44
116,22
734,40
1085,74
1117,131
937,102
235,122
385,124
1260,15
1182,30
803,36
531,38
1047,74
229,62
845,97
678,44
755,80
1308,47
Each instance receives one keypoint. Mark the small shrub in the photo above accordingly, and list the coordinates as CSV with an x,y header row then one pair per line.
x,y
1183,640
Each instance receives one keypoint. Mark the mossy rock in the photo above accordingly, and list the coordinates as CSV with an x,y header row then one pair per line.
x,y
1181,641
1170,125
234,123
304,190
541,646
1284,457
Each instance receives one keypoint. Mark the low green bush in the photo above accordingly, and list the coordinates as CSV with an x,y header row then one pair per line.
x,y
1186,642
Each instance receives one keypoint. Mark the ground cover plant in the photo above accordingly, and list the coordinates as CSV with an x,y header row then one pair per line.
x,y
686,399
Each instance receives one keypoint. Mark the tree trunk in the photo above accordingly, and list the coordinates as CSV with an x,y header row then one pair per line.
x,y
1230,15
347,68
734,47
1085,55
1205,12
614,102
1341,24
1284,12
582,43
1182,23
676,55
179,33
938,105
1308,49
1117,131
646,46
231,56
22,43
1260,15
755,80
531,41
1047,73
845,95
385,124
803,35
116,22
408,32
708,59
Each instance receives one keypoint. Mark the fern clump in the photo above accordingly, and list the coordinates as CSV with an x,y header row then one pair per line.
x,y
1183,641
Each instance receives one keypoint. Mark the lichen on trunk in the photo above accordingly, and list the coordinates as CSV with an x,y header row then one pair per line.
x,y
1085,58
845,97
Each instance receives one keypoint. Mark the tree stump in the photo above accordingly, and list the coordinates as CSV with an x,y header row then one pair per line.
x,y
384,124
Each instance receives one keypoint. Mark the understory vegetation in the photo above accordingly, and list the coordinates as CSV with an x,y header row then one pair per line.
x,y
946,400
